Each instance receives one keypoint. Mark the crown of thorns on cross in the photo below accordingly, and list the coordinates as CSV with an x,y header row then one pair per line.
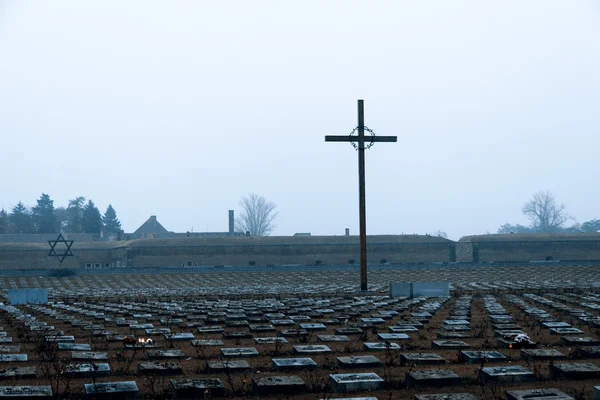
x,y
371,143
64,254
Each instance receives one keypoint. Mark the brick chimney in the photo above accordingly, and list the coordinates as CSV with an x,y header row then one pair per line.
x,y
231,222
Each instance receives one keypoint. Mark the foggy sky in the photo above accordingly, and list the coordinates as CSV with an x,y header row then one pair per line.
x,y
179,108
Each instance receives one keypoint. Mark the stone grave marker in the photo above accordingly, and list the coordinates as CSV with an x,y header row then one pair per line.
x,y
575,371
278,385
381,346
179,337
359,362
542,354
537,394
422,359
88,356
446,396
199,388
239,352
566,331
18,373
26,392
159,368
87,370
579,341
112,391
209,342
312,349
393,336
231,366
359,382
286,364
333,338
450,345
74,347
347,331
165,354
506,375
432,378
11,358
10,349
270,340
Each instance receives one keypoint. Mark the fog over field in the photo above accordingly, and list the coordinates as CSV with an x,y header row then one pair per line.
x,y
178,109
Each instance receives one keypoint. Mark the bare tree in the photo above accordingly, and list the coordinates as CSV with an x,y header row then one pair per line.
x,y
257,215
545,213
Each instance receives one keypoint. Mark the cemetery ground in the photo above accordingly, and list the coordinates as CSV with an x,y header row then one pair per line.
x,y
307,335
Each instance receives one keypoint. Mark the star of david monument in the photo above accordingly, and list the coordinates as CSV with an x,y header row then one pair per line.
x,y
361,143
63,250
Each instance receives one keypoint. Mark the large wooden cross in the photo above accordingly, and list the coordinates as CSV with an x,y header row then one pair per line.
x,y
360,139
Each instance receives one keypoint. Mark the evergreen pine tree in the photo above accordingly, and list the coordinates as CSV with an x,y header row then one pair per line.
x,y
92,219
74,217
110,220
20,219
43,215
3,221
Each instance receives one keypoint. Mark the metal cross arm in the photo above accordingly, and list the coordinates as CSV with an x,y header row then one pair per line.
x,y
373,139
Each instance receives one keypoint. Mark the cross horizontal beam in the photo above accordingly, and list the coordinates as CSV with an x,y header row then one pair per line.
x,y
368,139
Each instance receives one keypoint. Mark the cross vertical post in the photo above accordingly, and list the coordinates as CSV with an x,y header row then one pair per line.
x,y
360,139
362,201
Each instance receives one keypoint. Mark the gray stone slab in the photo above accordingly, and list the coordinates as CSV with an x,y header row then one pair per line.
x,y
403,329
359,382
208,342
288,364
18,373
506,374
579,341
575,371
373,321
112,391
10,349
432,378
446,396
11,358
270,340
26,392
537,394
393,336
333,338
74,347
381,346
542,354
449,345
229,365
88,356
159,368
359,362
87,370
278,385
199,388
179,337
422,359
478,357
348,331
239,352
566,331
312,349
165,354
157,331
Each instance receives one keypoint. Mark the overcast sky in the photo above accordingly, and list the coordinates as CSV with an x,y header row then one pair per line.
x,y
180,108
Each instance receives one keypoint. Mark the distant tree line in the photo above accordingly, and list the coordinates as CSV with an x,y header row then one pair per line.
x,y
77,217
548,216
